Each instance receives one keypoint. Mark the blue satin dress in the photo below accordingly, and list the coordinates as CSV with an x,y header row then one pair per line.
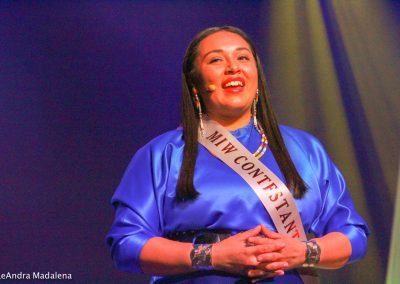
x,y
146,207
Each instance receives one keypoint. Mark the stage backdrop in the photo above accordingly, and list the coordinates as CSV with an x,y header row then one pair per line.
x,y
84,84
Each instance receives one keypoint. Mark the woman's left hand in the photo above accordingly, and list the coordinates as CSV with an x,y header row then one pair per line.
x,y
293,253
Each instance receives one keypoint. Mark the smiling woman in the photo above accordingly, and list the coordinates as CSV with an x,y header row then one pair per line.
x,y
226,62
231,195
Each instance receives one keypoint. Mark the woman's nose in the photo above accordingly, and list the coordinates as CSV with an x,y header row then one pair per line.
x,y
232,68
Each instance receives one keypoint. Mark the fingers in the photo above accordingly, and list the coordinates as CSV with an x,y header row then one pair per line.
x,y
269,234
267,246
261,241
269,257
250,233
250,250
273,266
258,274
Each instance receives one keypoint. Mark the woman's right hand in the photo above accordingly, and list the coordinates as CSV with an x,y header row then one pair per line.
x,y
236,255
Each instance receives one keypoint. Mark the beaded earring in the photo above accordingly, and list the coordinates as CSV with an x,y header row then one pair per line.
x,y
264,142
198,106
255,101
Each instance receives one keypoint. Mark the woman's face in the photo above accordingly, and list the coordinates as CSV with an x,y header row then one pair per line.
x,y
229,76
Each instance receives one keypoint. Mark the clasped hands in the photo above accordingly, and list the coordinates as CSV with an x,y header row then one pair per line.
x,y
258,253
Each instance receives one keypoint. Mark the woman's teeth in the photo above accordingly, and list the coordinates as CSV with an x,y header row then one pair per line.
x,y
234,84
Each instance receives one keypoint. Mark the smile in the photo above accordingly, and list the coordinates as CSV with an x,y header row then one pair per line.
x,y
233,82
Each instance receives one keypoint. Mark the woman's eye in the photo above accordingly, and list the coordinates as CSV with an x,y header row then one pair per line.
x,y
213,60
244,57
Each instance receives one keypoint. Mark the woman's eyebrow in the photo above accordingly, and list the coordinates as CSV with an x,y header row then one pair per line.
x,y
212,51
242,48
220,50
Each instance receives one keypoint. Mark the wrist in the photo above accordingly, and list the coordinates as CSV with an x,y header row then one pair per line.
x,y
201,256
312,253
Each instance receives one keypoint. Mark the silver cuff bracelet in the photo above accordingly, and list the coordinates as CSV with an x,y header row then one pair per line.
x,y
201,256
313,253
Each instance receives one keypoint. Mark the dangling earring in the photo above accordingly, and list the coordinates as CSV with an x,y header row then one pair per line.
x,y
264,142
255,110
198,106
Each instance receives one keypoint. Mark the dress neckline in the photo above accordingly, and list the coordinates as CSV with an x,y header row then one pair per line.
x,y
243,131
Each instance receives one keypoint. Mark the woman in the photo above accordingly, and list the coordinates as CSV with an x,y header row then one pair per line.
x,y
184,215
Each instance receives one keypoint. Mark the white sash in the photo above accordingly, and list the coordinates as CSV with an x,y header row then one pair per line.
x,y
273,193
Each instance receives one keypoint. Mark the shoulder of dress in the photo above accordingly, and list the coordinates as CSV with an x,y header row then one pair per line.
x,y
291,133
172,138
296,138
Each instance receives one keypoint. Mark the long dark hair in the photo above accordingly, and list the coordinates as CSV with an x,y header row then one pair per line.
x,y
190,121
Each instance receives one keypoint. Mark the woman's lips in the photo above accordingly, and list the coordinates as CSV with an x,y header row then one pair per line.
x,y
233,84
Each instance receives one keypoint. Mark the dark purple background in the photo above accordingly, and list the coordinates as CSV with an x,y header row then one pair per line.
x,y
82,87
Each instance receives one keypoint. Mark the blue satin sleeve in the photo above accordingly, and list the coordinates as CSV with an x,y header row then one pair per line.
x,y
338,213
138,205
336,209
